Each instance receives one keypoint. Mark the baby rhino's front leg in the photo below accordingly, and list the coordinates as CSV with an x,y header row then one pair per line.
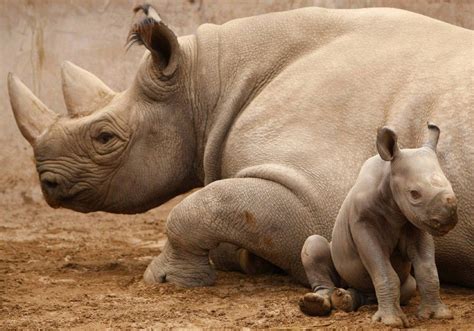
x,y
376,259
323,278
421,252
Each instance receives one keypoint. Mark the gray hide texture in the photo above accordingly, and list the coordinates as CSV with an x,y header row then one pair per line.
x,y
274,114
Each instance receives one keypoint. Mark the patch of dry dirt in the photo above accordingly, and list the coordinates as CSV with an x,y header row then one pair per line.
x,y
60,269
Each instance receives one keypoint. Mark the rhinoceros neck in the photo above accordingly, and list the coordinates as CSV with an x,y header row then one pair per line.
x,y
385,201
239,59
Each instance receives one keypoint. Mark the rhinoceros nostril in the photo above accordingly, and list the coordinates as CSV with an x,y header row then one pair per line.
x,y
451,201
436,223
50,184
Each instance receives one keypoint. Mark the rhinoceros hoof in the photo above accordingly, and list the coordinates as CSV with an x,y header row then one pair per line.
x,y
395,318
315,304
341,299
186,272
439,311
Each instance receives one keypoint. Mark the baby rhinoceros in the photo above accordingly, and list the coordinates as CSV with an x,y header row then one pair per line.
x,y
384,227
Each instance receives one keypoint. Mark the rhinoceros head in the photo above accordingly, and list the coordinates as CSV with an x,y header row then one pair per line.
x,y
119,152
418,184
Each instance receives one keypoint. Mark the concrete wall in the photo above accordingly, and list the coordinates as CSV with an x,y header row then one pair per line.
x,y
37,35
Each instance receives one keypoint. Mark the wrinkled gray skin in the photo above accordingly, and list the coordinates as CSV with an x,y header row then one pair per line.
x,y
385,225
274,115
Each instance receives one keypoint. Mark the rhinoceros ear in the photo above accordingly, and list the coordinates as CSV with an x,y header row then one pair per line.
x,y
387,145
157,37
433,136
83,92
31,115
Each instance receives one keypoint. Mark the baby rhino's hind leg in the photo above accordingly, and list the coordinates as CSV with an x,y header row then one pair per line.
x,y
317,263
321,274
349,300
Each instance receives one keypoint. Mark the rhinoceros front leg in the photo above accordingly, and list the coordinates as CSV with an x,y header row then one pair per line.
x,y
421,251
376,260
261,216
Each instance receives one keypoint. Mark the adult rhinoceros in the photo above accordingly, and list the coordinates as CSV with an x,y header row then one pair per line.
x,y
273,115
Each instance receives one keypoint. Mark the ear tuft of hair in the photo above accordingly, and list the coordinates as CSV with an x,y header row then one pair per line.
x,y
142,27
150,31
138,31
143,7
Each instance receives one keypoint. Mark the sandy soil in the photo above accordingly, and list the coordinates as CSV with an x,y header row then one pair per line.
x,y
60,269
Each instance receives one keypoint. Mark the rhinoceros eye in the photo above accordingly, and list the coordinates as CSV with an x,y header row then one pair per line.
x,y
105,137
415,194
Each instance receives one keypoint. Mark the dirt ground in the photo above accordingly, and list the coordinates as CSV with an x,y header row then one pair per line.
x,y
61,269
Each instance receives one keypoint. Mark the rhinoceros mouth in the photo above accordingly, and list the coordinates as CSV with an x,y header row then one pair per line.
x,y
61,201
67,199
79,200
435,229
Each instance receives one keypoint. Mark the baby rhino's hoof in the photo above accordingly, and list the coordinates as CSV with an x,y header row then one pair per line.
x,y
315,304
439,311
396,319
342,299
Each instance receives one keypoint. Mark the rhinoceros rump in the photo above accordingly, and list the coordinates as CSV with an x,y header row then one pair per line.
x,y
274,115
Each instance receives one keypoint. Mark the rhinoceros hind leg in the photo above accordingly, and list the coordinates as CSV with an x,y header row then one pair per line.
x,y
181,268
349,299
323,300
342,299
317,262
322,276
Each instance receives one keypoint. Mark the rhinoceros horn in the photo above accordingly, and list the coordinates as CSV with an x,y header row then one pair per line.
x,y
31,115
433,136
83,92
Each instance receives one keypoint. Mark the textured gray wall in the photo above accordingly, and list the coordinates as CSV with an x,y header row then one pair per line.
x,y
36,36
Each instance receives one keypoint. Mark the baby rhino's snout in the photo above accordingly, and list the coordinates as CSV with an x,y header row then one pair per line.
x,y
443,216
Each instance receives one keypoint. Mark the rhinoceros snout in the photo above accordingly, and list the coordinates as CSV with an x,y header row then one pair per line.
x,y
444,215
54,188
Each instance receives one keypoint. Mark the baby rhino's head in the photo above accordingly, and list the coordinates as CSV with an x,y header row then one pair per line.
x,y
419,186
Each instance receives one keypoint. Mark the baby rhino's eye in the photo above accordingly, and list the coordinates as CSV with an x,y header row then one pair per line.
x,y
104,137
415,194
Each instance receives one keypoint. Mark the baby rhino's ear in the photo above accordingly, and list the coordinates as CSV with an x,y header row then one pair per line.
x,y
387,143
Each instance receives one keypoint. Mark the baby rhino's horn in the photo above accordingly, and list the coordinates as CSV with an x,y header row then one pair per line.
x,y
433,136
